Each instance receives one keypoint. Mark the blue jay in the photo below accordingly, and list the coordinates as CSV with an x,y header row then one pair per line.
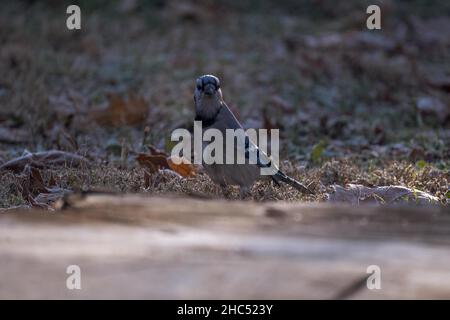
x,y
211,109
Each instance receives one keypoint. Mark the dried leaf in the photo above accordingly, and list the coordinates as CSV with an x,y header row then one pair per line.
x,y
119,112
45,159
36,193
184,169
152,162
440,82
358,194
32,183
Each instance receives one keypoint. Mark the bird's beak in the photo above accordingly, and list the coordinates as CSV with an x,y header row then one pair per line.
x,y
209,89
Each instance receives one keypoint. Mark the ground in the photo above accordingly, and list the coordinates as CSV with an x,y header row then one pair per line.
x,y
352,105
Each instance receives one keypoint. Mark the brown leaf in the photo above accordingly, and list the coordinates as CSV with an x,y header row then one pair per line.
x,y
152,162
358,194
184,169
32,183
119,112
36,193
45,159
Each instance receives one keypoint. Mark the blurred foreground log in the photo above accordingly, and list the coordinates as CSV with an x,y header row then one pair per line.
x,y
141,247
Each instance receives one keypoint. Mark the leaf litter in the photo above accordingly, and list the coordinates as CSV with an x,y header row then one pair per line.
x,y
45,159
358,194
341,78
36,192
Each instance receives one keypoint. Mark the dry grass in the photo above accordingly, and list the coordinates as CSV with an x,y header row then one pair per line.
x,y
131,180
358,96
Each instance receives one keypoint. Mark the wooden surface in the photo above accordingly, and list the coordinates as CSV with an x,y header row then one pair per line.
x,y
142,247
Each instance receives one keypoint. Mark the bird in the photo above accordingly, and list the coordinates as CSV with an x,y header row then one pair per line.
x,y
213,112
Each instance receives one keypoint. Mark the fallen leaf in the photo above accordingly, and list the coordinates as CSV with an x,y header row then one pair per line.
x,y
45,159
358,194
160,160
152,162
36,193
33,183
120,112
184,169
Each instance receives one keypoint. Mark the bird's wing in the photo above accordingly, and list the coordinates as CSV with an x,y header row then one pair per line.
x,y
253,154
252,150
226,119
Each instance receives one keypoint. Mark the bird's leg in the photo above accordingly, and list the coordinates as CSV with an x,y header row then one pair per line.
x,y
244,192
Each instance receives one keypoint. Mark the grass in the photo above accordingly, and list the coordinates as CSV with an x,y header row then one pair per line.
x,y
358,96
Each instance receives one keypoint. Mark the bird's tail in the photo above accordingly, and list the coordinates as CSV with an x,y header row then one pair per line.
x,y
280,176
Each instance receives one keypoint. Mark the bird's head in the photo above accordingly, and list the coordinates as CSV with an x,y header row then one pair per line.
x,y
207,95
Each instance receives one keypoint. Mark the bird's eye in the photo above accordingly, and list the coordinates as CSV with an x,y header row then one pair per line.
x,y
199,84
